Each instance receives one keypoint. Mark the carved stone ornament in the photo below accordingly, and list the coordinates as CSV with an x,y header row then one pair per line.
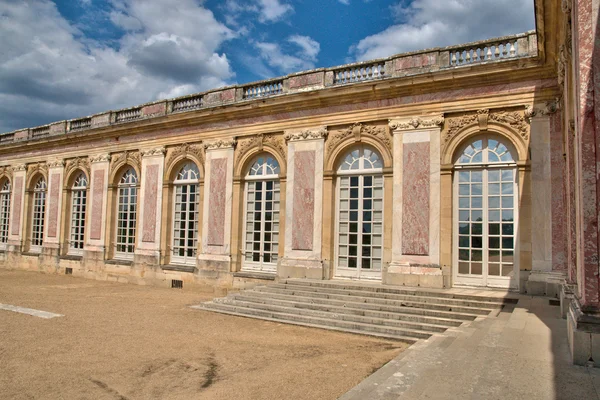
x,y
127,157
566,6
357,130
220,144
82,163
19,167
56,164
482,116
306,134
550,107
561,66
513,119
157,151
184,150
417,122
5,170
100,158
455,125
257,142
41,167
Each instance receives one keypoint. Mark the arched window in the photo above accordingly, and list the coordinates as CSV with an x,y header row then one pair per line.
x,y
485,214
78,209
39,214
185,214
4,210
126,214
359,239
261,233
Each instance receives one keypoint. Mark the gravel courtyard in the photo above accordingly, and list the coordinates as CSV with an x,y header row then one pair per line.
x,y
120,341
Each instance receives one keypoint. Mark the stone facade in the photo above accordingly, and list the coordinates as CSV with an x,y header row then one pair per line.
x,y
407,121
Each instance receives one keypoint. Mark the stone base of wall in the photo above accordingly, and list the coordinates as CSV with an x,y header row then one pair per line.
x,y
542,283
248,280
428,276
583,331
297,268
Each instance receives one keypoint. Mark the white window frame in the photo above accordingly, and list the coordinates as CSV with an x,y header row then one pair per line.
x,y
128,183
485,166
360,172
78,215
4,212
178,185
38,207
264,169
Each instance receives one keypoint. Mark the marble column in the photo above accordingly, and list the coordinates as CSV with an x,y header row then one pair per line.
x,y
52,234
215,255
96,218
147,249
416,205
304,204
15,233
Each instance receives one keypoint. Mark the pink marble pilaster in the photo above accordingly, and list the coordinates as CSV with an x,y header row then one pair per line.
x,y
216,205
97,204
150,206
53,204
304,200
16,209
415,194
559,220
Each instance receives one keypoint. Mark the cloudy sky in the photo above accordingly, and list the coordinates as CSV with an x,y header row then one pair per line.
x,y
70,58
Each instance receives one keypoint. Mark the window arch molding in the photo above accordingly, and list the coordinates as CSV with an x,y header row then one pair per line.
x,y
339,151
178,159
5,203
250,158
119,169
455,145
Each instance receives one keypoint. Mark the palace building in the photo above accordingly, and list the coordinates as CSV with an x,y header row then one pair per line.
x,y
470,165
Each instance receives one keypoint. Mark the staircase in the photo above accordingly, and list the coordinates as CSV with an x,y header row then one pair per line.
x,y
405,314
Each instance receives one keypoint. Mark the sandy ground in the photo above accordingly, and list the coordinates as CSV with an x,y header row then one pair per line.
x,y
119,341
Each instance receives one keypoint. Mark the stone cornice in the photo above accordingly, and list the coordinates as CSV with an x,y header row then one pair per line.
x,y
306,134
157,151
220,144
100,158
414,123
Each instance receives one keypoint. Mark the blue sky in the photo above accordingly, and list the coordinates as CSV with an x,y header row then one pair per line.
x,y
71,58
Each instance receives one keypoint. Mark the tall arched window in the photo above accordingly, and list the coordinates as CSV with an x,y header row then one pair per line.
x,y
78,209
39,214
359,244
4,210
127,214
261,234
185,214
485,214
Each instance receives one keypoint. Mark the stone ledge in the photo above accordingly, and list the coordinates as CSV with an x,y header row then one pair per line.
x,y
179,268
116,261
254,275
31,254
71,257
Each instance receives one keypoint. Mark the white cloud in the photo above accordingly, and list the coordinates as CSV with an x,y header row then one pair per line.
x,y
431,23
49,69
345,2
273,10
302,55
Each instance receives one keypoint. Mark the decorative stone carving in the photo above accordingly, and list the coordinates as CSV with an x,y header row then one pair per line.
x,y
184,150
6,171
417,122
572,127
357,130
455,125
562,66
513,119
56,164
483,116
127,157
220,144
81,163
247,144
32,169
100,158
549,108
306,134
157,151
19,167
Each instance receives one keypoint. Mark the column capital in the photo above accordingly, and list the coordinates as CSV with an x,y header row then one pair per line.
x,y
100,158
157,151
56,164
416,122
319,132
220,144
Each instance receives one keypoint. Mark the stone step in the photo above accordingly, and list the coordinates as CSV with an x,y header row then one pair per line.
x,y
391,296
403,314
351,285
411,302
432,328
408,335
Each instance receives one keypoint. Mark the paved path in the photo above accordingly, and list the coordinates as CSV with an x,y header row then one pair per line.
x,y
521,353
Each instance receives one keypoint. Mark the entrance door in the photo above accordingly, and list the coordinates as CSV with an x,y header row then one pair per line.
x,y
485,251
359,247
262,216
